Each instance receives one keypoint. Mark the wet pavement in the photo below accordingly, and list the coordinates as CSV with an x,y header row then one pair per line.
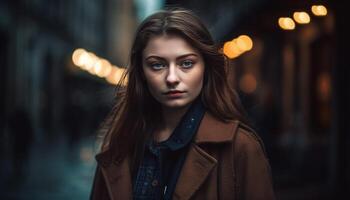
x,y
53,170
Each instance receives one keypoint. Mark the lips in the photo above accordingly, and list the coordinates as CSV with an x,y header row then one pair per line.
x,y
173,92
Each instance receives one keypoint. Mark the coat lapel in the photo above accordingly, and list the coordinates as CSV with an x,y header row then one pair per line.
x,y
117,176
199,163
197,167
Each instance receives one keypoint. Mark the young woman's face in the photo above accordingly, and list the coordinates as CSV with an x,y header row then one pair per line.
x,y
173,69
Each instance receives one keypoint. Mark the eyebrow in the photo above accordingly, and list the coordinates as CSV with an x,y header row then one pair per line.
x,y
179,57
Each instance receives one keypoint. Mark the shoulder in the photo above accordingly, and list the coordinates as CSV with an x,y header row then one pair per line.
x,y
248,138
248,147
213,130
251,166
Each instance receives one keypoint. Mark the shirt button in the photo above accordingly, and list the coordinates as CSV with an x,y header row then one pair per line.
x,y
178,141
154,183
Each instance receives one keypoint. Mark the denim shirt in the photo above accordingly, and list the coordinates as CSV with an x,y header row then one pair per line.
x,y
162,162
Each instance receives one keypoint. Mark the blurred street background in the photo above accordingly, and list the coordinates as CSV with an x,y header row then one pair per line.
x,y
60,62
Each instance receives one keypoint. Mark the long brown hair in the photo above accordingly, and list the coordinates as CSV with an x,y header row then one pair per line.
x,y
137,113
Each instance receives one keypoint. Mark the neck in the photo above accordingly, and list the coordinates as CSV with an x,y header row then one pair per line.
x,y
172,117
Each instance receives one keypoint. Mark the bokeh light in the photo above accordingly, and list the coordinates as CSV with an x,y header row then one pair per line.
x,y
319,10
286,23
301,17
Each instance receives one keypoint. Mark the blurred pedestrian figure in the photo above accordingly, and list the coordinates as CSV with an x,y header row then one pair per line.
x,y
21,134
74,120
74,117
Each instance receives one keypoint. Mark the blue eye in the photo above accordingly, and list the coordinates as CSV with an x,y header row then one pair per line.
x,y
187,64
157,66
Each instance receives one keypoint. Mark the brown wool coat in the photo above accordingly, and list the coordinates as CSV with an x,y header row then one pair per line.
x,y
226,161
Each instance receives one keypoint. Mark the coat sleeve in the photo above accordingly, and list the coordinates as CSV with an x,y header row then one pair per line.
x,y
252,170
99,190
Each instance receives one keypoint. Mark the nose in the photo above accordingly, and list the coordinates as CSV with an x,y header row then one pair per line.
x,y
172,78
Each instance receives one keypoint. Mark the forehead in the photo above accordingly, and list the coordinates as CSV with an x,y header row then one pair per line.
x,y
168,46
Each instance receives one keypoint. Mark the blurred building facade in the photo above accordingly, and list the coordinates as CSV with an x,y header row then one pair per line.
x,y
39,38
43,96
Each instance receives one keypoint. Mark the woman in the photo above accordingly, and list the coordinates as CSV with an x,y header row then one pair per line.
x,y
177,131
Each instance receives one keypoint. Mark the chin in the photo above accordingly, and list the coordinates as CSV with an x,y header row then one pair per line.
x,y
177,103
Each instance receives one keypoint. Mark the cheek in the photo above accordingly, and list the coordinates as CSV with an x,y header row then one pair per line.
x,y
196,81
153,82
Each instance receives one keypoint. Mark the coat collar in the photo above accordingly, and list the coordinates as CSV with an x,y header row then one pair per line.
x,y
212,130
207,133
